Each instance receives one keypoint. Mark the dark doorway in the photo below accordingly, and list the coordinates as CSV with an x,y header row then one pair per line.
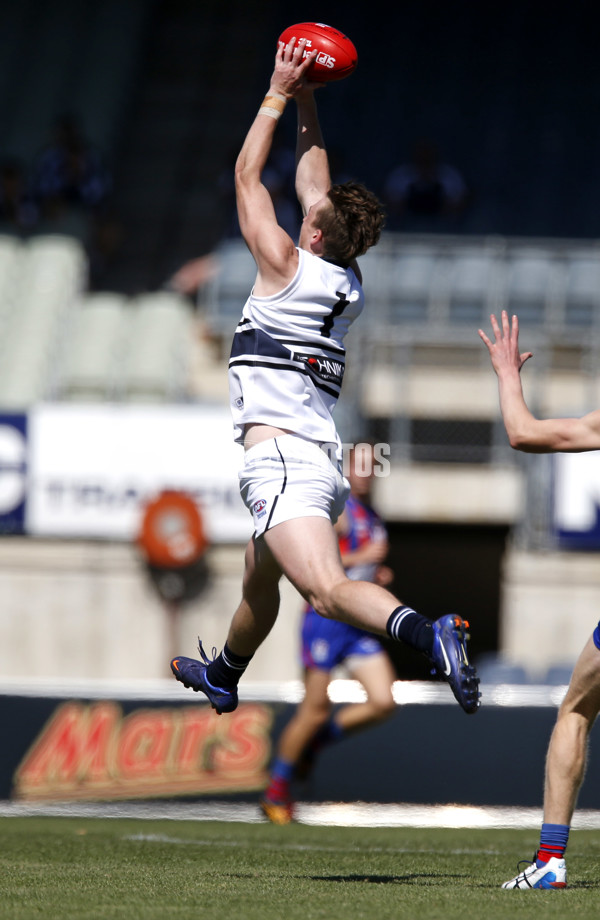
x,y
447,568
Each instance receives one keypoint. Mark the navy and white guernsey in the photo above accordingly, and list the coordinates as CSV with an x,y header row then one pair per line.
x,y
287,358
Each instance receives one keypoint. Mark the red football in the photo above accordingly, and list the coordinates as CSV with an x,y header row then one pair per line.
x,y
336,56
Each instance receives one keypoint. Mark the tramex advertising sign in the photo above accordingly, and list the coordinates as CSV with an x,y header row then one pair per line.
x,y
84,471
13,472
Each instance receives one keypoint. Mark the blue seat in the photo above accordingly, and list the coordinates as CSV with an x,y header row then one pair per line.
x,y
494,669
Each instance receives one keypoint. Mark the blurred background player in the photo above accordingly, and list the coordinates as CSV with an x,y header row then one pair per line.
x,y
567,752
327,644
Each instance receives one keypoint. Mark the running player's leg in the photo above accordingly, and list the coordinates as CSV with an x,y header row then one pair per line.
x,y
376,674
311,714
374,671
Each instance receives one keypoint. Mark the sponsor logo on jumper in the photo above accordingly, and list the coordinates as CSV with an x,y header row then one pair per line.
x,y
94,751
326,369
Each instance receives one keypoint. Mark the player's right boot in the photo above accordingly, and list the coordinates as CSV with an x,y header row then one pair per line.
x,y
551,874
192,674
278,812
451,662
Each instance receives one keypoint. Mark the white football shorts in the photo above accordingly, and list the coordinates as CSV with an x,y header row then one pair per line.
x,y
289,477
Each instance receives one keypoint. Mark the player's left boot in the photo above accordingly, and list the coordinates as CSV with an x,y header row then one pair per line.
x,y
551,874
192,674
451,662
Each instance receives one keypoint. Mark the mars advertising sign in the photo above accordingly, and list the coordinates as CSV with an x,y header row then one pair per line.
x,y
96,751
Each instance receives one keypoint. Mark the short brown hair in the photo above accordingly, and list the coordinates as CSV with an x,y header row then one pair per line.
x,y
353,224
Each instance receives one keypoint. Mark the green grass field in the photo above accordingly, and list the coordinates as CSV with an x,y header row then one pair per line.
x,y
123,868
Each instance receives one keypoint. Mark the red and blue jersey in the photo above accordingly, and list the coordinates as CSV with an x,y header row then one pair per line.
x,y
365,527
327,643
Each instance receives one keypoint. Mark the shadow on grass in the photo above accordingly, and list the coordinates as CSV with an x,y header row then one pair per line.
x,y
384,879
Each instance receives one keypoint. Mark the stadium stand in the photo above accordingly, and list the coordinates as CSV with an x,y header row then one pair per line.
x,y
495,669
529,284
470,289
225,294
94,340
581,293
558,675
51,275
426,294
156,358
54,60
62,342
10,255
410,271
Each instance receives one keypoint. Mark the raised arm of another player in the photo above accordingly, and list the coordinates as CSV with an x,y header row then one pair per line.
x,y
273,250
525,431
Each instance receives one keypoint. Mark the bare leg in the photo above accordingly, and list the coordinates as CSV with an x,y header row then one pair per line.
x,y
258,609
567,751
376,674
565,768
310,715
306,550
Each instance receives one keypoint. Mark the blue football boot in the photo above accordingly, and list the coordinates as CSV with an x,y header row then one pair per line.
x,y
192,674
451,662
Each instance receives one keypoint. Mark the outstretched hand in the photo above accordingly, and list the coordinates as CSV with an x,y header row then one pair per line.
x,y
289,75
504,352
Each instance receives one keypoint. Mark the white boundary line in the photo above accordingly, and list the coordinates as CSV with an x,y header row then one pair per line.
x,y
323,814
291,691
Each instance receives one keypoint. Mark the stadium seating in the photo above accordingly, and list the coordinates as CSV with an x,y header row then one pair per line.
x,y
226,294
558,675
581,294
50,277
94,340
59,342
155,362
401,282
529,283
11,251
494,669
426,297
471,286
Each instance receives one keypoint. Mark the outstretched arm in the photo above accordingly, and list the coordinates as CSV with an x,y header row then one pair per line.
x,y
525,431
313,179
270,245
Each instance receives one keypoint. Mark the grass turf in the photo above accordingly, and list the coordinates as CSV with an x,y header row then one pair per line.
x,y
144,869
